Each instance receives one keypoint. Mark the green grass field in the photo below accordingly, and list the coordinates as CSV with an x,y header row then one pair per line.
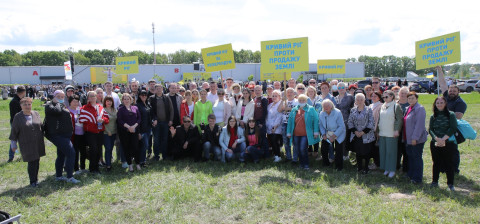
x,y
187,192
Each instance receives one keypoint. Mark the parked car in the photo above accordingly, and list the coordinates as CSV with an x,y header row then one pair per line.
x,y
362,83
415,87
467,86
477,86
426,87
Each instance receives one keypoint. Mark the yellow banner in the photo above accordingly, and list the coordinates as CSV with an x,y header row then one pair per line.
x,y
275,76
331,66
288,55
218,58
196,76
127,65
103,74
439,50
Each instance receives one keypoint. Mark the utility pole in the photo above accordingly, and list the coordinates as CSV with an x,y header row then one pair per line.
x,y
154,55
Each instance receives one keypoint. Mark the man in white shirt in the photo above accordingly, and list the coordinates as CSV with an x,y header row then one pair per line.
x,y
212,95
109,92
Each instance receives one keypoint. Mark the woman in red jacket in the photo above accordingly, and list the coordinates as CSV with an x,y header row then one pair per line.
x,y
93,117
186,108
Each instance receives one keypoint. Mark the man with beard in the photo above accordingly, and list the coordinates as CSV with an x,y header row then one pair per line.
x,y
455,104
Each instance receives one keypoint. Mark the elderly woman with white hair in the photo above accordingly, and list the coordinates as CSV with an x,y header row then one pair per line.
x,y
302,128
332,129
344,102
361,127
402,152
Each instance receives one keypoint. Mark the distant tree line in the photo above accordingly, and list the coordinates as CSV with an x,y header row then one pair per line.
x,y
386,66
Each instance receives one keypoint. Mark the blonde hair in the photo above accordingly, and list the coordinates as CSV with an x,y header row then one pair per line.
x,y
327,102
302,97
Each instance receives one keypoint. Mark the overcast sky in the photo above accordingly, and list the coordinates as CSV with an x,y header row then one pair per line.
x,y
336,29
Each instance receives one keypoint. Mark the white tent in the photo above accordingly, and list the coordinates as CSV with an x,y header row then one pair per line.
x,y
411,74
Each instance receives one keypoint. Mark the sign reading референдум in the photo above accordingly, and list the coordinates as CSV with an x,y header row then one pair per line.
x,y
284,56
437,51
218,58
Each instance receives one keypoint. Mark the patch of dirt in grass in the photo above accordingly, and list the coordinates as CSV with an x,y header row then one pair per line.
x,y
303,181
401,196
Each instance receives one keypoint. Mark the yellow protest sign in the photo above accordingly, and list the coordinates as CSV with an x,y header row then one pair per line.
x,y
103,74
287,55
127,65
218,58
196,76
275,76
331,66
439,50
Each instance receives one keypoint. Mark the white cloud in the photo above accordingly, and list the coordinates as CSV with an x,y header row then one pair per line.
x,y
336,29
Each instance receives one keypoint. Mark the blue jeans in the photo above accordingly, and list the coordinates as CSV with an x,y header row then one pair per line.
x,y
238,151
218,153
160,139
11,153
108,142
65,155
301,144
415,162
254,152
144,146
288,146
263,135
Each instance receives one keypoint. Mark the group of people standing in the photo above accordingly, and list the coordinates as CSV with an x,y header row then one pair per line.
x,y
241,123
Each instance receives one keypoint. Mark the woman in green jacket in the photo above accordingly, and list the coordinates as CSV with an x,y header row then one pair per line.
x,y
303,126
202,109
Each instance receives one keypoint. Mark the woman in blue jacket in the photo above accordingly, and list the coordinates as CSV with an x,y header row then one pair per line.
x,y
302,125
232,140
332,128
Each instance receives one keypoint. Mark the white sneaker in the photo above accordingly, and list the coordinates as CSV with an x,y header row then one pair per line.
x,y
277,159
318,158
62,178
73,180
331,160
125,165
78,172
386,173
391,175
345,158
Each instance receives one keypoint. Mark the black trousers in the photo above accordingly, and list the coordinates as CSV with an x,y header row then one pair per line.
x,y
314,148
130,143
402,153
193,150
79,144
338,149
375,154
443,161
32,169
95,143
274,140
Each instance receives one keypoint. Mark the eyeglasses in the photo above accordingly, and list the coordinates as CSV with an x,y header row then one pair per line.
x,y
385,97
220,94
312,83
182,91
187,121
375,82
300,88
341,87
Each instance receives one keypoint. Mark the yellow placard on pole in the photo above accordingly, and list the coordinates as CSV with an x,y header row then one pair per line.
x,y
331,66
103,74
288,55
276,76
437,51
127,65
196,76
218,58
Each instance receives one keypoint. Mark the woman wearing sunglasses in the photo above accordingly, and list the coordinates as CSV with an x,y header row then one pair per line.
x,y
389,126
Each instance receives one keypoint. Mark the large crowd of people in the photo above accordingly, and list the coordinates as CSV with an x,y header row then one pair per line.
x,y
332,122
